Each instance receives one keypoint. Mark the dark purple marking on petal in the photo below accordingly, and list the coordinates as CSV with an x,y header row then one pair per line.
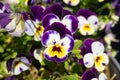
x,y
58,60
88,75
46,19
55,9
11,78
9,64
85,12
103,64
21,70
7,8
59,27
37,12
48,57
44,38
25,15
4,19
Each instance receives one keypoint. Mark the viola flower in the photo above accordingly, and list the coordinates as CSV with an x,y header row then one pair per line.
x,y
37,53
19,64
88,22
72,2
16,26
57,48
116,5
97,57
51,15
2,8
93,75
32,24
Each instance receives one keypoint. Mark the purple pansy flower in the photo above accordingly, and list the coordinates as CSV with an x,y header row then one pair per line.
x,y
57,48
88,21
93,75
56,13
19,64
32,24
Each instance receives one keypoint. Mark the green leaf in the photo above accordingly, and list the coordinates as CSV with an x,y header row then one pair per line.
x,y
70,77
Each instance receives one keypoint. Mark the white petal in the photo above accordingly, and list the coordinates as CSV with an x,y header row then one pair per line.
x,y
38,55
82,20
88,60
93,20
11,26
20,66
71,2
19,29
97,47
24,60
30,27
102,76
94,79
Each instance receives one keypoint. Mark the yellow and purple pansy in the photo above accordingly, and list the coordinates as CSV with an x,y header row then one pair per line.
x,y
97,57
19,64
57,47
88,22
32,22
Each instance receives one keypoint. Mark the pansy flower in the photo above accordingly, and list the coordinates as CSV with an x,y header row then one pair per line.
x,y
88,22
16,26
57,47
2,8
56,13
72,2
97,58
19,64
32,24
93,75
37,53
116,5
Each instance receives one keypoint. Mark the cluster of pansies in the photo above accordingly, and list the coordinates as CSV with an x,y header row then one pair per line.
x,y
63,35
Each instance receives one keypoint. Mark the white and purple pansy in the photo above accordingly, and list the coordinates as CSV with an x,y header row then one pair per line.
x,y
88,22
16,26
57,48
64,17
97,58
2,8
72,2
93,75
32,24
19,64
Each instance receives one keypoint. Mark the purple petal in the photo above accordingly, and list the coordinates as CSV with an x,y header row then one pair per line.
x,y
25,15
80,61
1,5
55,9
9,64
48,57
86,48
37,12
60,60
4,19
49,19
47,1
108,27
31,2
66,12
88,75
115,3
59,27
85,12
117,10
8,8
11,78
71,22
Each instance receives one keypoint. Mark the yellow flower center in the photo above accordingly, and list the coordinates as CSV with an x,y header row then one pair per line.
x,y
87,27
39,31
56,50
